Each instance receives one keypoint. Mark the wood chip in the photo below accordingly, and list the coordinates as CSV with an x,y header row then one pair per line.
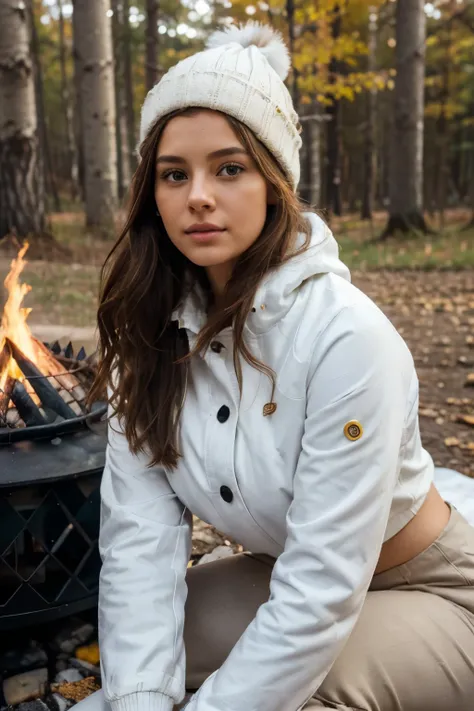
x,y
77,690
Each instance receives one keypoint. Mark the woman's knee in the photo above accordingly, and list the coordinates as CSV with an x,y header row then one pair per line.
x,y
405,651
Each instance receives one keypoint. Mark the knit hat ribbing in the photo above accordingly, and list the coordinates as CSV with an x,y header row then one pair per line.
x,y
241,73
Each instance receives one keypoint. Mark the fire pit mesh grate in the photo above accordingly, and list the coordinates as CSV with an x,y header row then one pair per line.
x,y
51,404
49,554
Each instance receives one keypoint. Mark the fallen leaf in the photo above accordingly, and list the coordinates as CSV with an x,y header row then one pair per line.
x,y
428,412
469,381
89,653
451,442
467,419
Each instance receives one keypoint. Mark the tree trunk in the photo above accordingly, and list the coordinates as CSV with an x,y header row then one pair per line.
x,y
310,187
128,84
470,224
371,105
73,168
93,37
22,209
78,129
333,176
406,164
123,153
290,16
152,68
44,154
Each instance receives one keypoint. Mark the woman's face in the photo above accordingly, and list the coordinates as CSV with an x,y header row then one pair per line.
x,y
209,192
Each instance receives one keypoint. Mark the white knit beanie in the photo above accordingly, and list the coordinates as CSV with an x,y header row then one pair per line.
x,y
241,73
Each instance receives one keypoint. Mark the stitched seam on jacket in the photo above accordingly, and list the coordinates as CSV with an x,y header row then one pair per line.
x,y
176,584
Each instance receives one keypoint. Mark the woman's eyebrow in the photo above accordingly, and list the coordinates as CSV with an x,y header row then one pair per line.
x,y
232,150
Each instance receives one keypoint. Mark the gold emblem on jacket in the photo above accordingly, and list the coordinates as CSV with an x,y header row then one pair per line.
x,y
353,430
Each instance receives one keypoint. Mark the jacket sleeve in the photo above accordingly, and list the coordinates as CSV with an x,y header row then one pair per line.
x,y
361,370
145,544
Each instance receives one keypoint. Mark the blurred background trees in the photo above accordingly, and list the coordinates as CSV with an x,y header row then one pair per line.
x,y
384,89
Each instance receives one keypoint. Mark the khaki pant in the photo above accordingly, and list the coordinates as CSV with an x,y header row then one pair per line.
x,y
412,648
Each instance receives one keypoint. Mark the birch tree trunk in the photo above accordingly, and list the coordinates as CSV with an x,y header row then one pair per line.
x,y
310,186
371,99
93,44
406,163
152,68
22,208
67,108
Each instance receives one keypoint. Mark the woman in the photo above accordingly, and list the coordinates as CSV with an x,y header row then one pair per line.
x,y
256,388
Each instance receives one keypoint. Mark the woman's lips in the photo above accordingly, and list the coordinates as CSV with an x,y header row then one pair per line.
x,y
205,235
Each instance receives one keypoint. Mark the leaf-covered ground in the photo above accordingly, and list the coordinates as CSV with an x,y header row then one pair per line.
x,y
434,311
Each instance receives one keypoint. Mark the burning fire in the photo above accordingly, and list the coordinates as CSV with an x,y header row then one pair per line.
x,y
14,329
13,325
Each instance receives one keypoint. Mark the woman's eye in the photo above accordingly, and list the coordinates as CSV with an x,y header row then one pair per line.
x,y
174,176
232,170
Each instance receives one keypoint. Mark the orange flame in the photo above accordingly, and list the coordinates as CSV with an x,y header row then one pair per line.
x,y
13,324
14,327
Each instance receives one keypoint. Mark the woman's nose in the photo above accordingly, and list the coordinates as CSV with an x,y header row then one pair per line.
x,y
200,195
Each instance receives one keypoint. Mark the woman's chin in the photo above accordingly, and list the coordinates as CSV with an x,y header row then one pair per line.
x,y
209,257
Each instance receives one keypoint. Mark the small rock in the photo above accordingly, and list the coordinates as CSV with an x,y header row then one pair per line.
x,y
21,659
217,554
73,636
26,686
61,703
68,675
36,705
85,666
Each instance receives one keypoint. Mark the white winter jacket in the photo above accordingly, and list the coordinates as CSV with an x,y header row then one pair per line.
x,y
319,484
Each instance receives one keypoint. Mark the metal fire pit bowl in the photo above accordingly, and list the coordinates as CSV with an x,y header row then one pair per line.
x,y
49,526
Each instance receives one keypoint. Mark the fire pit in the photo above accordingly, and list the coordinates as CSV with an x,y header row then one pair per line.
x,y
52,453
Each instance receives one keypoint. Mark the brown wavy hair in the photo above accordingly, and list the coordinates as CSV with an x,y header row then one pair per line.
x,y
142,283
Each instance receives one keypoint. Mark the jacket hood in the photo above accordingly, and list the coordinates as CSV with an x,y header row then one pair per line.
x,y
278,290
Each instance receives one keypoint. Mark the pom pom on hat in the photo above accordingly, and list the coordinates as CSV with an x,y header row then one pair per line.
x,y
270,42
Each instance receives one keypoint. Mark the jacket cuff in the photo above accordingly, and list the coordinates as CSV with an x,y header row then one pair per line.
x,y
143,701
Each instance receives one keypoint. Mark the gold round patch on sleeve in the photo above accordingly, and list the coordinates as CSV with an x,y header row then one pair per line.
x,y
353,430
